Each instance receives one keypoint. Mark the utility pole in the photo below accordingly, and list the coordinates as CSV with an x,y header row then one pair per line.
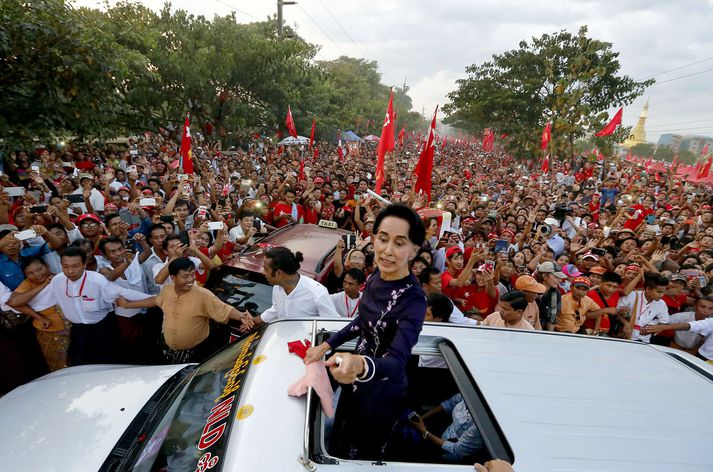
x,y
280,4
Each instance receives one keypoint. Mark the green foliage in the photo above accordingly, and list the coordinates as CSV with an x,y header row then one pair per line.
x,y
90,73
569,80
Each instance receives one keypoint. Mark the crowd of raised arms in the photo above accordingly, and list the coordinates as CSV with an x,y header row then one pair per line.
x,y
595,247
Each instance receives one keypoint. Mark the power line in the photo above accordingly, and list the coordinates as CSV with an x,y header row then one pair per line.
x,y
683,76
681,122
320,28
678,68
238,10
679,129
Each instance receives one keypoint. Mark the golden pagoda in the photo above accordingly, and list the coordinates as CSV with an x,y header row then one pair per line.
x,y
638,134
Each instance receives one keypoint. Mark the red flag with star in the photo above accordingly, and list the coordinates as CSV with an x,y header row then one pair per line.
x,y
546,136
424,168
290,123
611,126
386,143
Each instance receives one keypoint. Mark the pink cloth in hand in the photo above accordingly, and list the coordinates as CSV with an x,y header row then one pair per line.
x,y
315,377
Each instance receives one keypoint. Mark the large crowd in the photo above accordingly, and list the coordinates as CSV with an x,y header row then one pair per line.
x,y
597,247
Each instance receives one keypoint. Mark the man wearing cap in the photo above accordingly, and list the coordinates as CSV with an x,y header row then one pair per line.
x,y
532,290
577,307
93,198
550,303
554,241
456,275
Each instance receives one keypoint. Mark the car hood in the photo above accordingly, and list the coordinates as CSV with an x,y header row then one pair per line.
x,y
71,419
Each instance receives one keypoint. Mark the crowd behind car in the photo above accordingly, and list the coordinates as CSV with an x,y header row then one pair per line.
x,y
594,247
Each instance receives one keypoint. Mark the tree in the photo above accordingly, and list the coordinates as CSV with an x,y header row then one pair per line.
x,y
643,149
568,80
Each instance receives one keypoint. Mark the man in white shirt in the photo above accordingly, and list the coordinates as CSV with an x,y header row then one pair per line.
x,y
175,248
157,255
86,299
347,301
690,340
703,327
646,307
293,295
96,198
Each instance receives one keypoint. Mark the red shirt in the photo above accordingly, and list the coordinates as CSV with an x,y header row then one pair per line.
x,y
635,222
675,304
476,299
285,209
85,165
446,277
311,216
612,301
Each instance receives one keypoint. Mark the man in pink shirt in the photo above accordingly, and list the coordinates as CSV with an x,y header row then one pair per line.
x,y
512,306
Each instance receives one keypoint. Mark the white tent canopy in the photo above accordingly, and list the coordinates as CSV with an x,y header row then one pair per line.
x,y
291,141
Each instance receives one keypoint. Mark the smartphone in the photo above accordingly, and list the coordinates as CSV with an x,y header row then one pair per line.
x,y
202,212
413,417
167,218
597,251
215,225
690,273
67,164
75,198
185,239
257,224
501,245
132,169
702,280
221,202
25,235
493,214
38,209
15,191
182,177
147,202
349,241
35,169
489,265
133,152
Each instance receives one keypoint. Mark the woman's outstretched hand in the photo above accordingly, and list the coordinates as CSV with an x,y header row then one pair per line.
x,y
345,367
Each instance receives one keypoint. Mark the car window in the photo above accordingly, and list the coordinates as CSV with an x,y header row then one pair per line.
x,y
195,428
244,294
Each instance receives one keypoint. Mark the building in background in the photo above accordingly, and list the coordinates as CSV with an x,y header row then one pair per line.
x,y
678,142
672,141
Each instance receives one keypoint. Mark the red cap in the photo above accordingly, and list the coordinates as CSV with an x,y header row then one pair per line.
x,y
125,189
147,191
453,250
87,216
581,280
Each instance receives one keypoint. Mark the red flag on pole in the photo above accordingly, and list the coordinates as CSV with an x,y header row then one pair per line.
x,y
489,140
186,154
302,168
340,151
402,133
704,151
386,143
611,126
424,168
311,134
546,135
290,123
707,168
546,164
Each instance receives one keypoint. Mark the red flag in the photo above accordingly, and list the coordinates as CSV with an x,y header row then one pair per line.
x,y
704,151
311,134
611,126
546,135
402,133
340,151
186,153
546,164
424,168
290,123
386,143
443,142
489,140
647,163
503,136
707,168
675,161
302,168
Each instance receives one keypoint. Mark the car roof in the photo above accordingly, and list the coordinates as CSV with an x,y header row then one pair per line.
x,y
314,242
563,402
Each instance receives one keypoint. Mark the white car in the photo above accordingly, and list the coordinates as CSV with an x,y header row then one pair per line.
x,y
544,401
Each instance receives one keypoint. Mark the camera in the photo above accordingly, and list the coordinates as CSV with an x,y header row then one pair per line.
x,y
544,229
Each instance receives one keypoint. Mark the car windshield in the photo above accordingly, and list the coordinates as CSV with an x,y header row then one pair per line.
x,y
194,429
244,294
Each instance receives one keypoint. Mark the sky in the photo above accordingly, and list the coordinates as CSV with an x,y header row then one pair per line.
x,y
428,43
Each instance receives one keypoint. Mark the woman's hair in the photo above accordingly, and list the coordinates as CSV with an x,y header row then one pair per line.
x,y
416,230
179,264
515,298
283,259
28,261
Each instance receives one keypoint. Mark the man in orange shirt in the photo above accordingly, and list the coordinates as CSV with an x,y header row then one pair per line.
x,y
512,306
577,307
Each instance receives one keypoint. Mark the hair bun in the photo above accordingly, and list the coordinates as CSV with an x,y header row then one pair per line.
x,y
299,257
